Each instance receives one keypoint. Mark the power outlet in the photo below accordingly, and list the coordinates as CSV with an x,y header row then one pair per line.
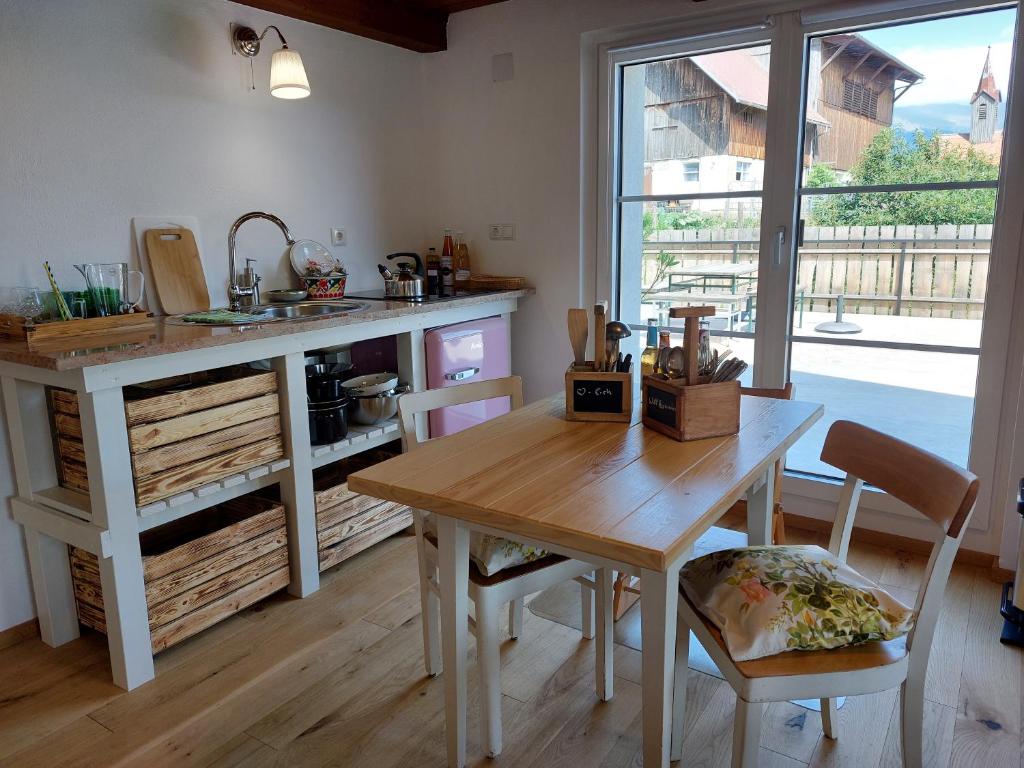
x,y
338,236
502,232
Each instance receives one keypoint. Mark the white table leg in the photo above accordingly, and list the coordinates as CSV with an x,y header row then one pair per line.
x,y
28,426
52,588
760,504
112,492
453,566
297,482
658,601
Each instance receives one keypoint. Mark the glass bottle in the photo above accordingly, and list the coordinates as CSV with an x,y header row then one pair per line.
x,y
650,354
448,263
462,271
433,272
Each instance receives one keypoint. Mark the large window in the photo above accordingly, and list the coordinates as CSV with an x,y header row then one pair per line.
x,y
874,305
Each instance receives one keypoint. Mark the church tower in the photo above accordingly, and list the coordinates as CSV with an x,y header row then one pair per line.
x,y
985,105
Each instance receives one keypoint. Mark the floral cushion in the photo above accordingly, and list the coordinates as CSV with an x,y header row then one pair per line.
x,y
766,600
492,553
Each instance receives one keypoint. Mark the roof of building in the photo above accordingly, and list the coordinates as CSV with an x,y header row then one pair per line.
x,y
874,57
987,82
962,142
743,78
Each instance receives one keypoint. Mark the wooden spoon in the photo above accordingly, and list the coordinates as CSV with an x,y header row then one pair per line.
x,y
599,336
578,323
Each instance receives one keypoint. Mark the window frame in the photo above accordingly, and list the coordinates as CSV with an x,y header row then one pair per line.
x,y
1004,330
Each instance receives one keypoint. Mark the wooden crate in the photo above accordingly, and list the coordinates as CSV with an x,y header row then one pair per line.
x,y
198,570
348,522
690,412
183,432
598,395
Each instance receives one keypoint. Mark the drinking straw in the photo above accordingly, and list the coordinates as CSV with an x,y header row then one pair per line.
x,y
62,306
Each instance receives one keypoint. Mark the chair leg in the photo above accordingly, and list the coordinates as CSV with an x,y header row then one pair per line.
x,y
430,604
829,718
587,599
488,648
515,618
679,690
605,625
778,526
912,721
746,735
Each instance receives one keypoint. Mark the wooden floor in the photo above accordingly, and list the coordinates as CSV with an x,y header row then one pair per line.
x,y
337,679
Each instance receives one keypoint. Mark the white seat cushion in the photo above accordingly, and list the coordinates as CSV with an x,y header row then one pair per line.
x,y
492,553
766,600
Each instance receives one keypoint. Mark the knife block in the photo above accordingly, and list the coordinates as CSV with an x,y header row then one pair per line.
x,y
690,411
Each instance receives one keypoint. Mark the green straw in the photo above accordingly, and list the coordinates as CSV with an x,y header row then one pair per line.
x,y
62,306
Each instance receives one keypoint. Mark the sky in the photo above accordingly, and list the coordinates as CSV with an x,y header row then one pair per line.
x,y
950,54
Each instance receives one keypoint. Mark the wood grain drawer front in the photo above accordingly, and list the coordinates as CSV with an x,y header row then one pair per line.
x,y
206,577
331,556
359,522
222,423
241,385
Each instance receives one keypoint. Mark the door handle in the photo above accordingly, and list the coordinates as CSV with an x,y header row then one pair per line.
x,y
780,241
462,375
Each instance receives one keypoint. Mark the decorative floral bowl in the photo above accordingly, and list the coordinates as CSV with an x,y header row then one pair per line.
x,y
331,287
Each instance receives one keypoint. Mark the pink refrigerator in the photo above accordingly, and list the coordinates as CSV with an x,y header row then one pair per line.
x,y
462,353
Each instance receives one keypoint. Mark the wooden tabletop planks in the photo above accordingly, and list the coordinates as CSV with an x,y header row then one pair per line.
x,y
613,490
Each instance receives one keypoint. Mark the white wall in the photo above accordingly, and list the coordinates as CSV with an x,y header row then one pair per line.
x,y
117,108
510,151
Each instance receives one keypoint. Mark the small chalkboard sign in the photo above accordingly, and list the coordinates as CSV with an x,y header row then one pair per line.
x,y
598,395
662,406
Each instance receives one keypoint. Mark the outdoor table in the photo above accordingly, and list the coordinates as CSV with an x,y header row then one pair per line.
x,y
615,495
726,276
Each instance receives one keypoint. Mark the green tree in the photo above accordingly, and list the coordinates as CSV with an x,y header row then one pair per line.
x,y
892,159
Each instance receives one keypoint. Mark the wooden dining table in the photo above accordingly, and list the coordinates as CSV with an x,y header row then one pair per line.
x,y
612,494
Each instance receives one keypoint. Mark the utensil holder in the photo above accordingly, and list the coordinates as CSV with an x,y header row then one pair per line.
x,y
690,411
592,395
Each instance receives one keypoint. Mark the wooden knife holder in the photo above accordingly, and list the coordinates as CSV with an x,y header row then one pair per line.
x,y
592,395
691,407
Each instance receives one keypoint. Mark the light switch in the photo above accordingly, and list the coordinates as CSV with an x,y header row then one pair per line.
x,y
502,67
502,232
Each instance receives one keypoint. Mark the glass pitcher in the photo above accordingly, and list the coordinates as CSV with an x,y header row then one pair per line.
x,y
107,288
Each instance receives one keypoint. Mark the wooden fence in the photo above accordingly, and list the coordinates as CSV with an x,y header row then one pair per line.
x,y
922,271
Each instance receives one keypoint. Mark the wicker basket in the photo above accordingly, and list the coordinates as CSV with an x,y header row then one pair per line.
x,y
495,283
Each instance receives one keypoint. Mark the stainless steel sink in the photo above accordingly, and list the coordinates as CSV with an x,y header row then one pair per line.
x,y
305,309
276,313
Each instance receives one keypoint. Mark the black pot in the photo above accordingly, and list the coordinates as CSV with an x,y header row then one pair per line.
x,y
325,388
328,421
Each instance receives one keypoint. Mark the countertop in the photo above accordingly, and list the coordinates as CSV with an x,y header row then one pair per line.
x,y
165,338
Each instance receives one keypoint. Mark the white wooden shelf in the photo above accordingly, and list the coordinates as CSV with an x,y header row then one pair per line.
x,y
166,510
359,439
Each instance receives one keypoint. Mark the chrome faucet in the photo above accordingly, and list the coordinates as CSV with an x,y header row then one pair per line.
x,y
240,294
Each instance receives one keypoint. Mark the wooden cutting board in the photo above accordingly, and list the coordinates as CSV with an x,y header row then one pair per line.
x,y
177,270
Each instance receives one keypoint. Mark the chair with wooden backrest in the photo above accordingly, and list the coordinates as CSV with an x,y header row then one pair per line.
x,y
490,592
942,492
626,584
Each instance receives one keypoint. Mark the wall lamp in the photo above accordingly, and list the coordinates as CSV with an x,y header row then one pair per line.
x,y
287,75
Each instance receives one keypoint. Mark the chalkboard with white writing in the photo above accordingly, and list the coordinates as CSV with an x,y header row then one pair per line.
x,y
661,405
597,396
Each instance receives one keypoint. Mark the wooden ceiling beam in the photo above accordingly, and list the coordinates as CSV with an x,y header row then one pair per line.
x,y
388,21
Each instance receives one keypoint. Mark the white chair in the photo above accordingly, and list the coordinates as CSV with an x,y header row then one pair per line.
x,y
510,585
942,492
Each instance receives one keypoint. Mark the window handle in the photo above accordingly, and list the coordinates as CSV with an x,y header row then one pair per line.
x,y
780,242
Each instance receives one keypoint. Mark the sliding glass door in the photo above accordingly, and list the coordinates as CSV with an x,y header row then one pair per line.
x,y
831,191
897,205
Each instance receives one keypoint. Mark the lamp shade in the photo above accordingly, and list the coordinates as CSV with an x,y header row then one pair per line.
x,y
288,76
